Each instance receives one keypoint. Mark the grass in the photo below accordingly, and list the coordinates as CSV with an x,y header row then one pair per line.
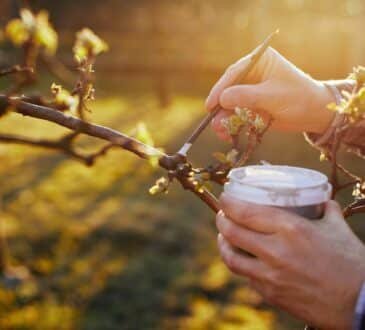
x,y
103,254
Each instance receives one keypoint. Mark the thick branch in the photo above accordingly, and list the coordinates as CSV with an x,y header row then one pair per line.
x,y
209,199
80,126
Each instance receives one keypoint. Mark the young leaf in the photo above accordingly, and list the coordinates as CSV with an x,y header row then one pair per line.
x,y
88,44
45,35
143,134
259,124
34,28
63,98
232,124
161,186
221,157
17,32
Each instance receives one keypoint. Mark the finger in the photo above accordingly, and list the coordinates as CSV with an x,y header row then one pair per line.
x,y
217,126
254,97
333,210
239,263
257,286
333,217
228,79
253,242
260,218
224,136
217,120
266,292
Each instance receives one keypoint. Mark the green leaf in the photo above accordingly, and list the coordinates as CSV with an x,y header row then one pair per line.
x,y
45,35
161,186
220,156
17,32
88,44
143,135
64,99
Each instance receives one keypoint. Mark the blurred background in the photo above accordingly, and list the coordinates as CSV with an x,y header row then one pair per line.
x,y
94,249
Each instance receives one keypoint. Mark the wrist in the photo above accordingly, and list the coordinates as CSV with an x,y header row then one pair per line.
x,y
359,314
324,97
352,314
323,116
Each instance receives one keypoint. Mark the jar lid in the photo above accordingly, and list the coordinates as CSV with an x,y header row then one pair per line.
x,y
283,186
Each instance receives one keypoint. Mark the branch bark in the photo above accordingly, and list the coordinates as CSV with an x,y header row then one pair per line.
x,y
64,145
15,69
114,138
354,208
80,126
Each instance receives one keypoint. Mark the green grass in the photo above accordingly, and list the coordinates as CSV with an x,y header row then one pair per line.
x,y
102,253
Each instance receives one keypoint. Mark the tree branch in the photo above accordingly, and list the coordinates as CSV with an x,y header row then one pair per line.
x,y
255,56
15,69
80,126
64,144
114,137
354,208
58,69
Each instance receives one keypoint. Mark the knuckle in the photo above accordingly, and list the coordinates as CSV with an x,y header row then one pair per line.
x,y
226,228
294,228
231,68
270,295
231,261
274,279
252,213
274,256
218,218
278,257
281,257
229,231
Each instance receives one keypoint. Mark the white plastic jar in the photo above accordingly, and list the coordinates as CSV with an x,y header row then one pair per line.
x,y
299,190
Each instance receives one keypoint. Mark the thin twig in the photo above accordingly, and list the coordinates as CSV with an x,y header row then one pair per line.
x,y
206,196
348,173
58,69
251,146
15,69
254,139
64,145
354,208
346,185
334,150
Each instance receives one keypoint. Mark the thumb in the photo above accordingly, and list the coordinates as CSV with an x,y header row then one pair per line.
x,y
333,212
254,97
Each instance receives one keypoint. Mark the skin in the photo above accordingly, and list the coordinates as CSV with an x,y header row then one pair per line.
x,y
277,88
313,270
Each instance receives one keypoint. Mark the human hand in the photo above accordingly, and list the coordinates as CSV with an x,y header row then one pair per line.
x,y
277,88
312,269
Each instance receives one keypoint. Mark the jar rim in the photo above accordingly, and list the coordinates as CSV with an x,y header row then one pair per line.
x,y
288,177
